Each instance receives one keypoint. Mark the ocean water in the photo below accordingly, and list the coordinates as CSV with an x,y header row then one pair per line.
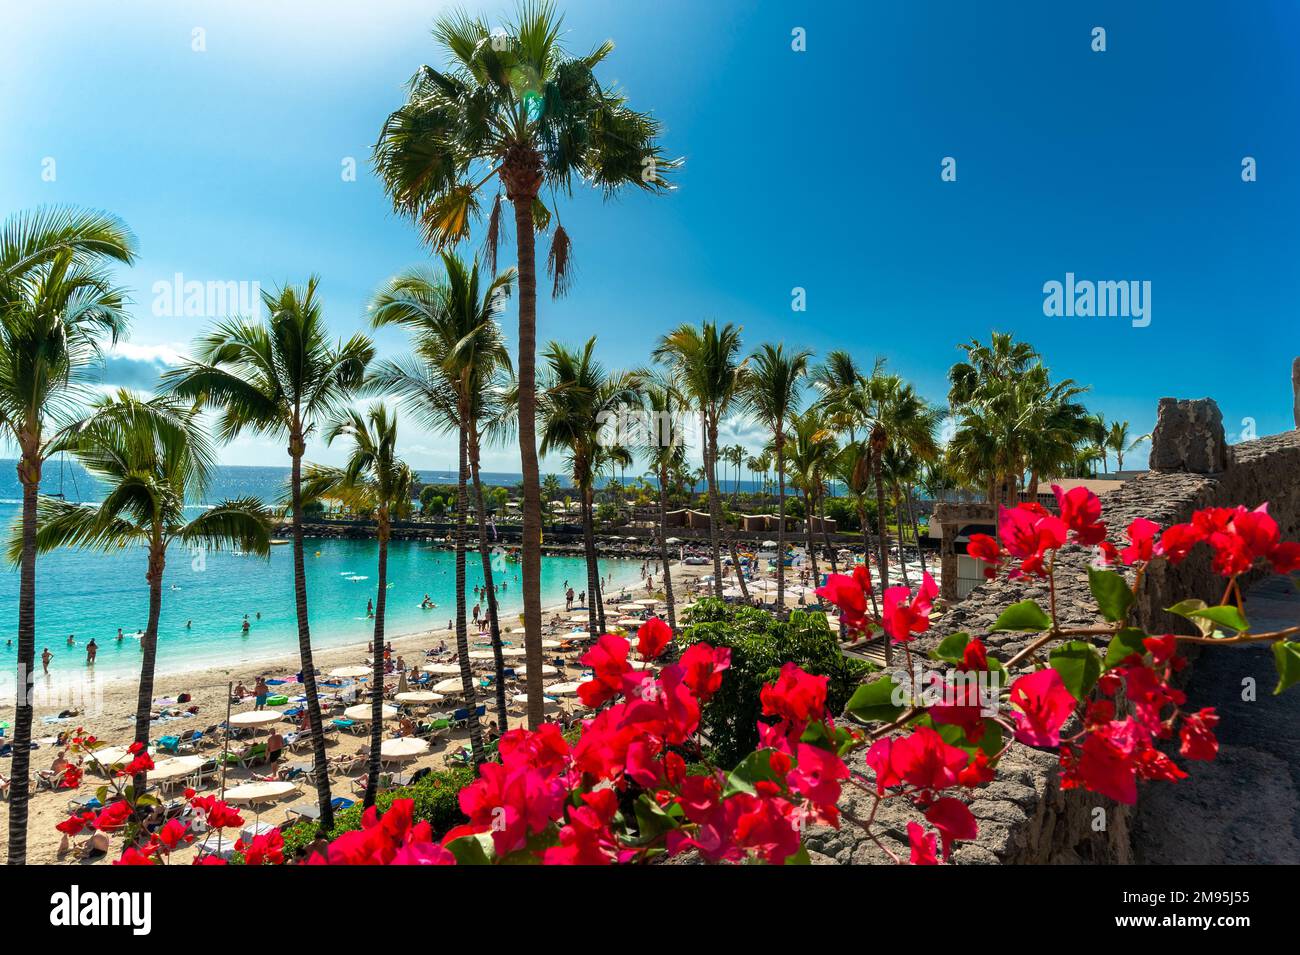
x,y
206,595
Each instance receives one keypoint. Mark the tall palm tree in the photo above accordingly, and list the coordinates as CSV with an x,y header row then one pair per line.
x,y
773,388
579,396
373,481
667,456
57,306
706,360
1117,440
151,456
811,454
280,378
452,381
516,109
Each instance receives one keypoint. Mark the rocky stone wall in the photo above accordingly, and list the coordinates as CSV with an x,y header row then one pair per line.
x,y
1024,815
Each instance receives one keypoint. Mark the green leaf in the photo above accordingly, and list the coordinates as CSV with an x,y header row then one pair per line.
x,y
651,820
754,768
1286,654
1224,615
1025,615
875,701
473,850
951,648
1112,594
1185,607
1123,645
1079,666
798,858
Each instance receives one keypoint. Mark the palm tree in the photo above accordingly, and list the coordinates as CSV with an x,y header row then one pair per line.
x,y
451,380
706,361
515,108
280,378
811,454
151,456
772,391
667,456
578,397
57,304
1117,440
373,481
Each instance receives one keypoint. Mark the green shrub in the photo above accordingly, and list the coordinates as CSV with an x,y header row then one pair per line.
x,y
760,646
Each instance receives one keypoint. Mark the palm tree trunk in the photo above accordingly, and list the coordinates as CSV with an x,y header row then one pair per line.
x,y
531,546
320,765
149,656
780,521
462,631
826,535
881,527
866,550
663,547
898,516
735,563
715,506
916,529
494,622
589,552
812,539
29,471
377,683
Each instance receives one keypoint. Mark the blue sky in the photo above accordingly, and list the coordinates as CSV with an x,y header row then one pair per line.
x,y
817,169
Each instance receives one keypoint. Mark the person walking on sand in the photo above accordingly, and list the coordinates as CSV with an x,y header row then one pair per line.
x,y
91,649
46,657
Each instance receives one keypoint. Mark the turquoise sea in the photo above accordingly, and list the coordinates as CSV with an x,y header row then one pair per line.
x,y
89,594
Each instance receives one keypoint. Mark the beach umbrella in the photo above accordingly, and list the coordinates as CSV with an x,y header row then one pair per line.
x,y
673,540
448,686
408,747
519,630
256,718
547,670
647,602
771,544
177,767
362,712
513,652
562,689
418,696
481,655
629,608
549,644
350,672
441,669
632,622
579,618
110,756
255,794
546,704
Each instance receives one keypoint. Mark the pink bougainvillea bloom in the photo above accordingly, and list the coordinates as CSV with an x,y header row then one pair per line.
x,y
796,696
704,666
1142,541
1044,706
986,549
1081,512
953,820
922,844
848,595
903,617
652,637
1197,739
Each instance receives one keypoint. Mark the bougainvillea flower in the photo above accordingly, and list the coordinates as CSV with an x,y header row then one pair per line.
x,y
652,637
1028,532
1044,706
1142,541
796,696
953,820
903,617
608,662
1197,739
847,594
922,844
817,777
925,761
704,666
986,549
1081,512
1177,542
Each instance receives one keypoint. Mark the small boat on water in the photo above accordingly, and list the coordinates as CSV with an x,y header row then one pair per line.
x,y
277,541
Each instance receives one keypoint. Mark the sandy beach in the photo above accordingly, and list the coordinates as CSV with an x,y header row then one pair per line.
x,y
110,710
